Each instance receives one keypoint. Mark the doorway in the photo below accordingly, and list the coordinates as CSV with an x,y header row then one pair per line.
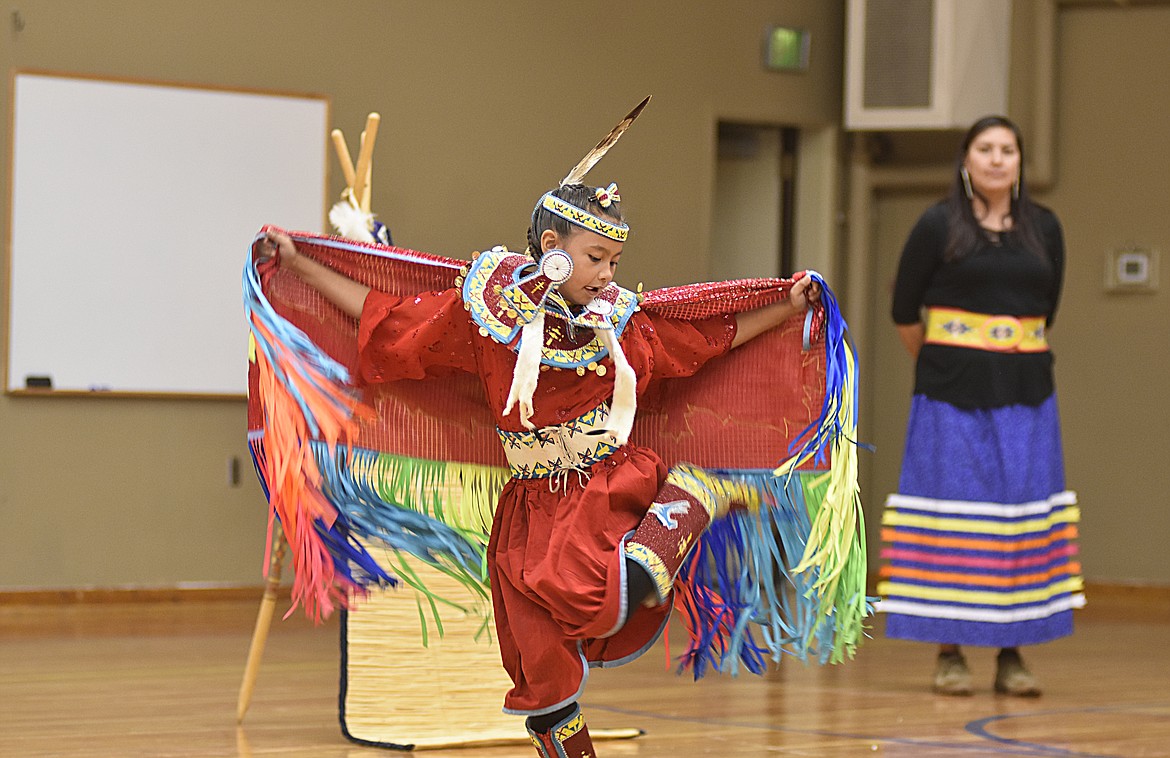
x,y
754,215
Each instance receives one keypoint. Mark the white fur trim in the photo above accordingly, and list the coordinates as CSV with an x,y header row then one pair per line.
x,y
625,383
527,369
352,223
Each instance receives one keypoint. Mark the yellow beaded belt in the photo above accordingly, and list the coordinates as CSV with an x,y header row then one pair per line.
x,y
1000,334
552,450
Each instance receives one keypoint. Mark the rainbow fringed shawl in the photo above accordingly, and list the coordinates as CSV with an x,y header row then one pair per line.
x,y
416,465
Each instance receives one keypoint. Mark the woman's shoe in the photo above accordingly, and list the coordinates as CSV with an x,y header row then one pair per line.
x,y
1011,678
951,675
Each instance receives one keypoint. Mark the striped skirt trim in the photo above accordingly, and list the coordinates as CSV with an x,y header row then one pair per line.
x,y
966,508
997,528
980,573
1044,593
1022,546
984,615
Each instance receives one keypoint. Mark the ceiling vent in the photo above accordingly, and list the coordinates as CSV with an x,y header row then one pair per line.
x,y
925,64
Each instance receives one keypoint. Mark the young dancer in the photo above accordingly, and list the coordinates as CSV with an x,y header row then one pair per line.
x,y
591,530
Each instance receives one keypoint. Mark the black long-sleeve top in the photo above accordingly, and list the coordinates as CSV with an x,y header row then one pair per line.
x,y
999,277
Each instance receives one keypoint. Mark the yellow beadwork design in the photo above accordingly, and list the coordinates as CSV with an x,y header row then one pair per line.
x,y
654,566
520,306
713,492
1000,334
550,450
592,351
584,219
502,326
571,728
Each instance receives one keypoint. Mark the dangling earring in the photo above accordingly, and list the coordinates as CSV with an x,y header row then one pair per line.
x,y
966,183
1016,188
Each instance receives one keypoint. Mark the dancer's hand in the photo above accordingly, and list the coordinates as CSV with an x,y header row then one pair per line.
x,y
279,245
804,293
347,294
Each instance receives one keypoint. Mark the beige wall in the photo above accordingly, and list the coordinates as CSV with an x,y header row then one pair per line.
x,y
1110,188
476,122
484,105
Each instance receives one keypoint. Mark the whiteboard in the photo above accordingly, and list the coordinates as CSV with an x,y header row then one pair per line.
x,y
133,209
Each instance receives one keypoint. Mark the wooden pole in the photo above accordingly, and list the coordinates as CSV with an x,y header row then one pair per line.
x,y
263,622
364,200
343,156
364,156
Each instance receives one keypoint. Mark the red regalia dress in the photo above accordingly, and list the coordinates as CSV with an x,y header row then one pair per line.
x,y
554,559
356,426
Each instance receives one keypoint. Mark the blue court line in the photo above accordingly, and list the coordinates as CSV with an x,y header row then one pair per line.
x,y
979,728
999,746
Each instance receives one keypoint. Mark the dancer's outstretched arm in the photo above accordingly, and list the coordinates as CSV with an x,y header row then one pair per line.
x,y
345,293
751,324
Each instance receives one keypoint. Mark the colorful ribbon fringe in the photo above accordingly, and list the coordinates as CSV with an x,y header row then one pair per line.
x,y
332,497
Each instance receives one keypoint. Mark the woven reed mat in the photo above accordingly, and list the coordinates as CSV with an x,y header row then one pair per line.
x,y
397,693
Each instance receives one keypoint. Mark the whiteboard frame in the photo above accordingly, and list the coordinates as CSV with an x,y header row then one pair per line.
x,y
217,341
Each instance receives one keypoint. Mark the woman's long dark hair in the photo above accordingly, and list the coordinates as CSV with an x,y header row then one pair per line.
x,y
964,231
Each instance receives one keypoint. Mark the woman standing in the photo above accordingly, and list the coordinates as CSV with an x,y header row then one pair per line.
x,y
980,539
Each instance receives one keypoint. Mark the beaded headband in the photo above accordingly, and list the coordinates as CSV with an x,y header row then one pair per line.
x,y
583,218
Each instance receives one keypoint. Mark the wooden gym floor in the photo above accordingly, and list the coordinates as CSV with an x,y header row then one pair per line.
x,y
161,679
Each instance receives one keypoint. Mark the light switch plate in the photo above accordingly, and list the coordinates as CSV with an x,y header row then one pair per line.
x,y
1131,269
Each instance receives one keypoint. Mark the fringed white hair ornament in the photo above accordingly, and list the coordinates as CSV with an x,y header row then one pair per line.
x,y
554,269
527,369
625,383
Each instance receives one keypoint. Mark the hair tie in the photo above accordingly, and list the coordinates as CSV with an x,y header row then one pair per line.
x,y
607,196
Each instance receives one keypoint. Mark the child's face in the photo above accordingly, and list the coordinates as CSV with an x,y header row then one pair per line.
x,y
595,260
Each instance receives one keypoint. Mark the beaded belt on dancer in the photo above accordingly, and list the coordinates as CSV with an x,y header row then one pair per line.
x,y
1000,334
556,451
